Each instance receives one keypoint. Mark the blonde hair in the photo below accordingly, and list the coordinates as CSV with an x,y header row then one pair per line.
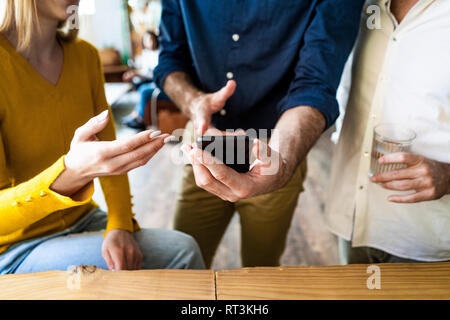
x,y
21,16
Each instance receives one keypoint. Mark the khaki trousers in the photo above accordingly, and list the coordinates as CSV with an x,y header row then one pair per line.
x,y
265,219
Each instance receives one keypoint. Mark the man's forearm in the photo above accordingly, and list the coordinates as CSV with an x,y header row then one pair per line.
x,y
298,128
180,88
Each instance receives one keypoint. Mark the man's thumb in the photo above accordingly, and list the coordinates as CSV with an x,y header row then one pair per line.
x,y
92,127
201,125
221,96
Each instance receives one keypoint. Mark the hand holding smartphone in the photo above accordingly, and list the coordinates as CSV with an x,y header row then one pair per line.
x,y
232,150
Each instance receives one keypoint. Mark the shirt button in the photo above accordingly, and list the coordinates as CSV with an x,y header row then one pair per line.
x,y
235,37
223,112
16,204
29,199
42,194
366,154
230,75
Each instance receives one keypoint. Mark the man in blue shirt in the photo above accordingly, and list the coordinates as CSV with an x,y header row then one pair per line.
x,y
253,64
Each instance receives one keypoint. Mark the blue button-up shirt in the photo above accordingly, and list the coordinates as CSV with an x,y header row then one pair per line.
x,y
282,53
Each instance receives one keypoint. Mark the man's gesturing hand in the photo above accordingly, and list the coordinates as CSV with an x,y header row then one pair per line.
x,y
267,173
430,179
205,105
89,158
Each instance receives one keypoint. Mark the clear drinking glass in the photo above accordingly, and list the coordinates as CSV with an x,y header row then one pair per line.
x,y
389,138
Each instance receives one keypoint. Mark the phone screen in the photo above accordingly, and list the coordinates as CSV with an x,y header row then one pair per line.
x,y
234,151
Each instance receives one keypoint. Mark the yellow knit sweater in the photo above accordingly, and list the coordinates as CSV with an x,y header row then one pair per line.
x,y
37,123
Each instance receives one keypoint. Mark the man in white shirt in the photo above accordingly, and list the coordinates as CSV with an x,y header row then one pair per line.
x,y
401,74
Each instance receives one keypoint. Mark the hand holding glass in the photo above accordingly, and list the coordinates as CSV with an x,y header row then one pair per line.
x,y
389,138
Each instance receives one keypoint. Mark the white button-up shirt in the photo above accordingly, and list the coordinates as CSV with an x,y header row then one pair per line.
x,y
401,74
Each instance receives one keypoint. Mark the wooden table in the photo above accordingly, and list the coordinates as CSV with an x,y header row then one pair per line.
x,y
398,281
83,283
114,73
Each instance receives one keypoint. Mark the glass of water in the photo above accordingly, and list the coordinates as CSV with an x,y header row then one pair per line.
x,y
389,138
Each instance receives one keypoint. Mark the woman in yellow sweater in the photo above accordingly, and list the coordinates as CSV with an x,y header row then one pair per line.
x,y
51,84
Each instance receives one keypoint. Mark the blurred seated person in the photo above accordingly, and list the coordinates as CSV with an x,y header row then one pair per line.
x,y
142,78
144,62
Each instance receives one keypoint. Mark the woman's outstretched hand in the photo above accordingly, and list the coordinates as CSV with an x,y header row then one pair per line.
x,y
90,158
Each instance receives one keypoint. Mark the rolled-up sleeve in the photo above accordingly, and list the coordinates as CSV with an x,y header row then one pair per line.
x,y
328,41
174,49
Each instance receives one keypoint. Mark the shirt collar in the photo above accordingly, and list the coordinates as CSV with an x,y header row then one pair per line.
x,y
413,13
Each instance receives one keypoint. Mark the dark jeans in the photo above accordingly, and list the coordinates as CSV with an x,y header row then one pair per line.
x,y
146,92
366,255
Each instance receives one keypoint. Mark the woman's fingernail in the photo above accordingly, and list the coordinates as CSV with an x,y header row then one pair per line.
x,y
154,134
170,139
102,116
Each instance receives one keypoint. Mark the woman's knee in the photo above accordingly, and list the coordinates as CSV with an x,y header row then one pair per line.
x,y
169,249
190,248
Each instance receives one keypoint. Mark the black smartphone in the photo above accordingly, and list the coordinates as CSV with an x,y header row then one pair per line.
x,y
234,151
